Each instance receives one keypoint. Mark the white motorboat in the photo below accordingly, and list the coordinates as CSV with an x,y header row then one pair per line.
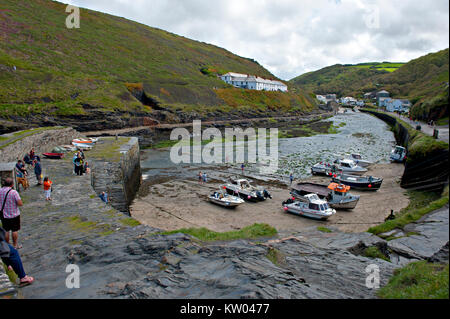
x,y
243,189
225,200
398,154
337,195
357,158
84,147
346,166
313,208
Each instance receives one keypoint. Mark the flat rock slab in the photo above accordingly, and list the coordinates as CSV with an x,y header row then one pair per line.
x,y
433,234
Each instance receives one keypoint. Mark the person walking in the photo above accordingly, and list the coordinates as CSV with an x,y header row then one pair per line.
x,y
200,177
10,202
204,177
242,168
48,188
78,165
11,258
38,171
291,178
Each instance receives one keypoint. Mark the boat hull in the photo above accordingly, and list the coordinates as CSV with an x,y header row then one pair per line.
x,y
304,213
222,203
364,186
344,205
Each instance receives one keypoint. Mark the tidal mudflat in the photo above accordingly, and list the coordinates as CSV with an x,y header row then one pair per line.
x,y
171,196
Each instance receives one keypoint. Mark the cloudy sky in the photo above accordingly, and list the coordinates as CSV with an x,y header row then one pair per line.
x,y
291,37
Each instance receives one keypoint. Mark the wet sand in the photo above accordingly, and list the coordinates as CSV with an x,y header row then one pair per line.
x,y
175,204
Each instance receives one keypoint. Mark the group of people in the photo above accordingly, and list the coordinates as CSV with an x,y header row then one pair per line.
x,y
10,202
202,177
80,166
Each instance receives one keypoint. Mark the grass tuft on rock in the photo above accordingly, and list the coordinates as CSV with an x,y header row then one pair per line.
x,y
275,256
418,280
422,203
374,252
249,232
324,229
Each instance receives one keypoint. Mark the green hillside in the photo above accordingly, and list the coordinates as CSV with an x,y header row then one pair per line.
x,y
108,65
348,79
424,81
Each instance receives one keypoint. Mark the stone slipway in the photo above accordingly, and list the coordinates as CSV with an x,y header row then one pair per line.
x,y
119,260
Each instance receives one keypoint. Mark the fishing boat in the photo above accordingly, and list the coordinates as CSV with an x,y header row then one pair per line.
x,y
337,195
225,200
398,154
54,155
369,183
357,158
313,208
243,189
347,166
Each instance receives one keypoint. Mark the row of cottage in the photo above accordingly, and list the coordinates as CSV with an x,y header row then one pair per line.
x,y
253,82
382,98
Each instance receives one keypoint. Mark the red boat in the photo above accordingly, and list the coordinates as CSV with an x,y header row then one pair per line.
x,y
54,155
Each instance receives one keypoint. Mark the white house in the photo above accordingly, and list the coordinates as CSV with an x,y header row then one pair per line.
x,y
348,100
321,99
253,82
395,105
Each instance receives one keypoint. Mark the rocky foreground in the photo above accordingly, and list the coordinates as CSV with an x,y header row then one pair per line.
x,y
119,259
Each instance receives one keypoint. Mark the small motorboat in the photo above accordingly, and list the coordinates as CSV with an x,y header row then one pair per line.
x,y
398,154
345,166
313,208
82,146
368,183
225,200
243,189
357,158
54,155
69,148
82,141
337,195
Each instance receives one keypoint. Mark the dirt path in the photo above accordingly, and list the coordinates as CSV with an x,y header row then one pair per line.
x,y
182,204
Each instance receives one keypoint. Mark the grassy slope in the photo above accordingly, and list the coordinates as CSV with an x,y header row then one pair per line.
x,y
60,69
345,79
424,81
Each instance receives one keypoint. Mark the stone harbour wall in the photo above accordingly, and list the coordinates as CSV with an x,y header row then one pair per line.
x,y
120,180
43,142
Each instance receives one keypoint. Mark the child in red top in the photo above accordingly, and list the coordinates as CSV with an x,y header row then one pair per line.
x,y
47,188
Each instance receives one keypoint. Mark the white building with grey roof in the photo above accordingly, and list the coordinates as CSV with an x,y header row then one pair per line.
x,y
253,82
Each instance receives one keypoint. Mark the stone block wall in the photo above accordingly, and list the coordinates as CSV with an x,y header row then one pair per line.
x,y
121,180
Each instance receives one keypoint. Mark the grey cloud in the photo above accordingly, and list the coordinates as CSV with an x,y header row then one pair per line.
x,y
291,37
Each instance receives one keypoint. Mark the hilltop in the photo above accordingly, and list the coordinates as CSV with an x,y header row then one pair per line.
x,y
113,72
424,81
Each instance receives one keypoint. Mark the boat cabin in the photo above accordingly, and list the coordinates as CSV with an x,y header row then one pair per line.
x,y
339,189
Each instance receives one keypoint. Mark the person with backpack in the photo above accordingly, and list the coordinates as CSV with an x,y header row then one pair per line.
x,y
10,202
38,171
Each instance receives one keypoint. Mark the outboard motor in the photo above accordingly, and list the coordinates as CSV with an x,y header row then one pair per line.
x,y
260,195
287,202
267,194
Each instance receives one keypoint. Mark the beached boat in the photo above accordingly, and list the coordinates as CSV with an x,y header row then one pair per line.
x,y
313,208
357,158
85,141
243,189
82,146
54,155
345,166
337,195
225,200
398,154
369,183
